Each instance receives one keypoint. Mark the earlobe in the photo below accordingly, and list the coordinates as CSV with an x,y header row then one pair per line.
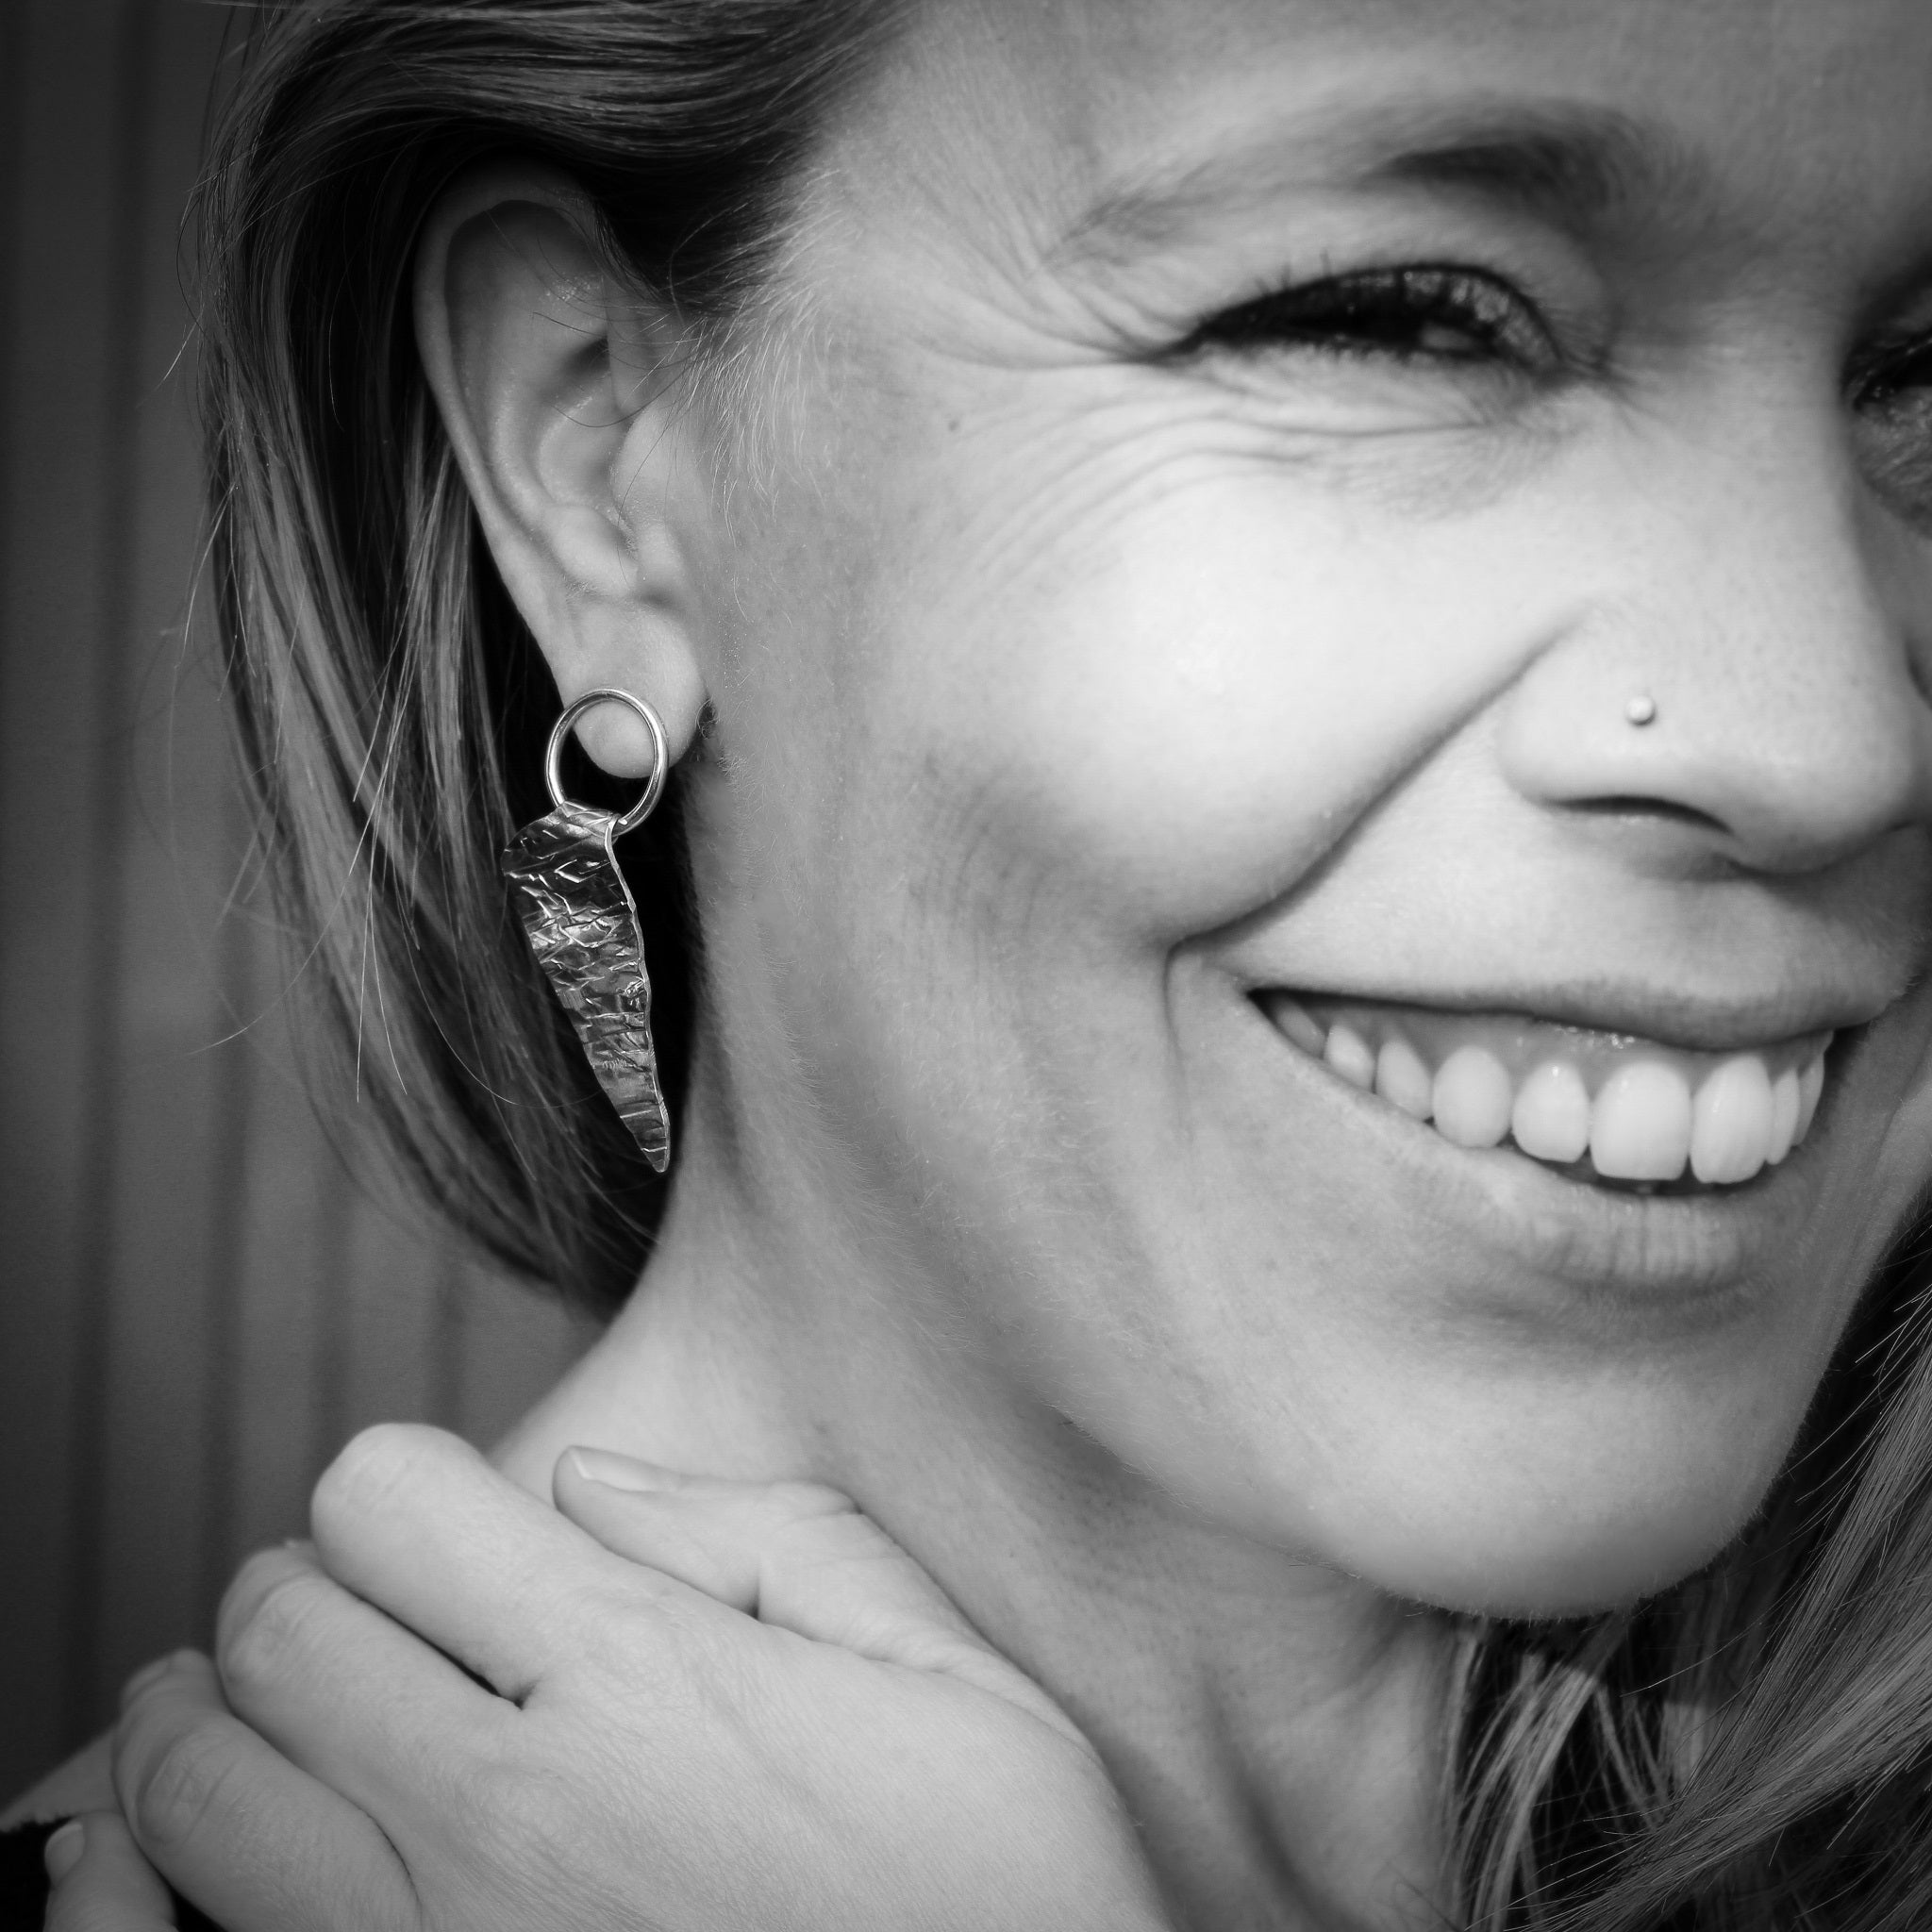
x,y
549,373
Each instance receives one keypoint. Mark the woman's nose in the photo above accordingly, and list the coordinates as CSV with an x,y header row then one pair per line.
x,y
1753,687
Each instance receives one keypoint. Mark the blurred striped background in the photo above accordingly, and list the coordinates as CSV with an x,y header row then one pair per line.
x,y
196,1307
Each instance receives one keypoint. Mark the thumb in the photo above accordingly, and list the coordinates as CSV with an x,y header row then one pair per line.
x,y
101,1881
797,1556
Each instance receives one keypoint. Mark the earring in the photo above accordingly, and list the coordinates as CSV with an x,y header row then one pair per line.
x,y
582,925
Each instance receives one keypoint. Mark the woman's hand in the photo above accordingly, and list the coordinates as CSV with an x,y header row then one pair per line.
x,y
100,1881
748,1709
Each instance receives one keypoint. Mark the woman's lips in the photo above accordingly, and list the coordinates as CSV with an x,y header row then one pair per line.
x,y
1605,1105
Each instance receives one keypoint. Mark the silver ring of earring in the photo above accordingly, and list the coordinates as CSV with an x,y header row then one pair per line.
x,y
1641,709
660,754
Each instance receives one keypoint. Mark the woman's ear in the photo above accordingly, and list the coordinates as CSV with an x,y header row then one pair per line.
x,y
560,391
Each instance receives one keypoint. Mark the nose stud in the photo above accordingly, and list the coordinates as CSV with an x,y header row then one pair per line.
x,y
1641,709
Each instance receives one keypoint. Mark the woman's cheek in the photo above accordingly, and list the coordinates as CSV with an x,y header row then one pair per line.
x,y
1181,694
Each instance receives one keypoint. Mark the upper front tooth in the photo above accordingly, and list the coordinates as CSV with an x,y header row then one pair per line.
x,y
1472,1098
1351,1056
1786,1103
1551,1118
1640,1128
1401,1079
1731,1121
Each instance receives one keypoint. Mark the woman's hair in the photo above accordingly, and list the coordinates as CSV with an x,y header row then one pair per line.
x,y
392,706
1749,1751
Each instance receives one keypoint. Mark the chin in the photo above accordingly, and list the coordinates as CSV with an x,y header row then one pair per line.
x,y
1542,1584
1543,1562
1504,1513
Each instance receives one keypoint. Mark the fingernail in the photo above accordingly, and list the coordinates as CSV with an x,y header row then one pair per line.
x,y
621,1471
63,1849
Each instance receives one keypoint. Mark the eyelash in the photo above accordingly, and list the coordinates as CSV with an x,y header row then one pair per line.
x,y
1891,372
1446,317
1387,313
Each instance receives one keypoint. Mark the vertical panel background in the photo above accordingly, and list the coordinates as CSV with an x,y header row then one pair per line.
x,y
195,1305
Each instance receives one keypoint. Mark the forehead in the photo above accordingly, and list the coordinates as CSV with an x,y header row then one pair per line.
x,y
1050,112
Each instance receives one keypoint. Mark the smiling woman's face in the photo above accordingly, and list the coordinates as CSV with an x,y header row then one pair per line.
x,y
1264,461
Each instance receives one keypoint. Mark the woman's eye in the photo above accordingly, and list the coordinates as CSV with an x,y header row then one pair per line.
x,y
1893,374
1417,314
1892,398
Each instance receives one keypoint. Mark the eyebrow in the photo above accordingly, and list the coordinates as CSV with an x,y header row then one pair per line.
x,y
1586,173
1579,168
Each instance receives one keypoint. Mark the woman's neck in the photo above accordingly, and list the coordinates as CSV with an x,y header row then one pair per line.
x,y
1272,1726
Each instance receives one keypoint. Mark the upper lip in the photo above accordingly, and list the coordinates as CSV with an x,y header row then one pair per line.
x,y
1669,1017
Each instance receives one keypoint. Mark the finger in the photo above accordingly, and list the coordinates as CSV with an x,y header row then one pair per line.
x,y
797,1556
84,1783
252,1840
101,1883
344,1691
417,1523
707,1532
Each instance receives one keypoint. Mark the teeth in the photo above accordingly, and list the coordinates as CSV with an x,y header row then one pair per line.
x,y
1810,1084
1552,1115
1640,1128
1472,1098
1401,1079
1351,1056
1731,1122
1655,1109
1785,1104
1299,1024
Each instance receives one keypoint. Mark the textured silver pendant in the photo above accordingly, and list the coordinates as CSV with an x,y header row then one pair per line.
x,y
582,925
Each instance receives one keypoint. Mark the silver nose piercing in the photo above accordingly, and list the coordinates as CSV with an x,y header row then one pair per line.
x,y
1641,709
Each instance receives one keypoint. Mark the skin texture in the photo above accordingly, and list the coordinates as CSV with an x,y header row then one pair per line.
x,y
1071,678
1067,690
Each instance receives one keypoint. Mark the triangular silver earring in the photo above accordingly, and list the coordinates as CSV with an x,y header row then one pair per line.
x,y
582,925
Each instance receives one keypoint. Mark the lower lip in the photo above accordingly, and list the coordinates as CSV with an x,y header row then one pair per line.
x,y
1664,1251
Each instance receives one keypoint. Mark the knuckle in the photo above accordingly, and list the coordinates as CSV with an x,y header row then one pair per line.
x,y
171,1777
497,1786
624,1637
268,1622
631,1649
555,1820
